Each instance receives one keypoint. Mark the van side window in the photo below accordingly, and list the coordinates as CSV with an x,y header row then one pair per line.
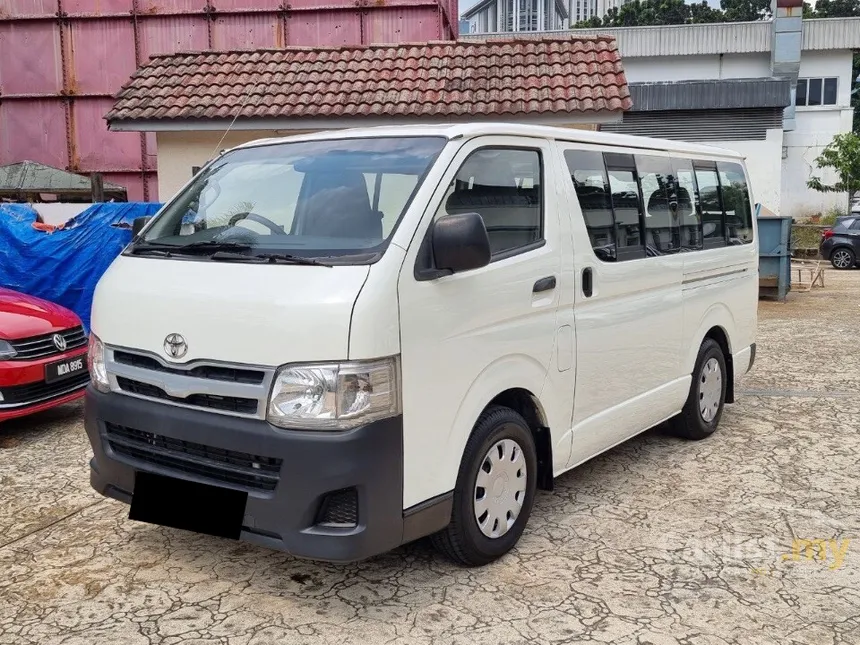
x,y
689,219
736,202
625,205
662,232
713,230
504,186
592,189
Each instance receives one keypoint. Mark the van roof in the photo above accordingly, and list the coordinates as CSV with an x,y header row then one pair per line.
x,y
457,131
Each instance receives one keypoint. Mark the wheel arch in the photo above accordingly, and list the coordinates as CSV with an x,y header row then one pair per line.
x,y
528,406
718,324
513,382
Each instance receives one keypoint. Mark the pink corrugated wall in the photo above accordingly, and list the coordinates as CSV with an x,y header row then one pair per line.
x,y
61,61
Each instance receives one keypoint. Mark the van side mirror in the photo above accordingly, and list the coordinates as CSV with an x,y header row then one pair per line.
x,y
138,223
460,242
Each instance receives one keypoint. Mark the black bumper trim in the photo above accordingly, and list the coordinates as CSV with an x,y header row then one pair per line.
x,y
368,458
427,517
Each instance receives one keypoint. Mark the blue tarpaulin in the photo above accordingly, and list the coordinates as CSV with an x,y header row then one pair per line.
x,y
64,266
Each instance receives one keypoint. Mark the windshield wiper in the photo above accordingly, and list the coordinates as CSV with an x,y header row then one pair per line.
x,y
159,251
267,258
156,248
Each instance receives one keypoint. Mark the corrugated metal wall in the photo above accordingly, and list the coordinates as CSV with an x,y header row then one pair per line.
x,y
61,62
700,125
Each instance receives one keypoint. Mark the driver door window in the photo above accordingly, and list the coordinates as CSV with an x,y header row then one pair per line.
x,y
504,186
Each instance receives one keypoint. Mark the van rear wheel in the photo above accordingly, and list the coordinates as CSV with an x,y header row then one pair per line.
x,y
495,490
704,407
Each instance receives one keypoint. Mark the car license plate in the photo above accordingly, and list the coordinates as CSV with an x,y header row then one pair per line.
x,y
183,504
62,370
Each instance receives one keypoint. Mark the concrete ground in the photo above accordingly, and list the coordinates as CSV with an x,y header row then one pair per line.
x,y
752,536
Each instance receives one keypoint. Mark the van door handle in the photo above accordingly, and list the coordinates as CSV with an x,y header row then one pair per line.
x,y
587,282
544,284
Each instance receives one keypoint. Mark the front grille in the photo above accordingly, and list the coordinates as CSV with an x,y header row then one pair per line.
x,y
211,401
41,391
213,372
226,466
28,349
339,509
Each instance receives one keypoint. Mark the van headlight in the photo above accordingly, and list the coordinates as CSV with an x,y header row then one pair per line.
x,y
334,396
96,364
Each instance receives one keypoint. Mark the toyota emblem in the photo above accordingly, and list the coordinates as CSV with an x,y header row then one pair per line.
x,y
59,342
175,346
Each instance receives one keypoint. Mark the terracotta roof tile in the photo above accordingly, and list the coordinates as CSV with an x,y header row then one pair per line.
x,y
440,79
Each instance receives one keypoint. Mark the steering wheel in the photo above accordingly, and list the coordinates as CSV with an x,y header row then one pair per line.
x,y
253,217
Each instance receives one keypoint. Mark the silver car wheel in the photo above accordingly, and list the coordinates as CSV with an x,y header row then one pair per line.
x,y
500,488
710,389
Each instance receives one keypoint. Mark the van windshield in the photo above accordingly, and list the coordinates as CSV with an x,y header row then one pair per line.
x,y
336,201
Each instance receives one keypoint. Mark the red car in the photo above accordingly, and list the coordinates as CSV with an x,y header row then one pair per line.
x,y
43,355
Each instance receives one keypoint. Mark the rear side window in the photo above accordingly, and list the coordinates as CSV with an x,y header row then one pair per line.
x,y
713,233
689,222
626,205
662,232
504,186
736,203
592,189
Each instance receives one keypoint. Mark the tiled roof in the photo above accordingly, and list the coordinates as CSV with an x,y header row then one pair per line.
x,y
438,79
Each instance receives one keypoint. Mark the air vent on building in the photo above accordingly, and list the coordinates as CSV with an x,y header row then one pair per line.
x,y
700,125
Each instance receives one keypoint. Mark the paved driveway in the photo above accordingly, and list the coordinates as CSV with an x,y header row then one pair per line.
x,y
750,537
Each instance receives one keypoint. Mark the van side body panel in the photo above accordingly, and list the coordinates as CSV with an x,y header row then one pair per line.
x,y
467,337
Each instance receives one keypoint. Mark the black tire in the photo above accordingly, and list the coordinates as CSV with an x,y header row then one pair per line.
x,y
849,263
690,424
462,540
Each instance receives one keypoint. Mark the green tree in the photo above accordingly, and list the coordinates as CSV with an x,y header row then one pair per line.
x,y
643,12
746,10
843,157
703,12
836,9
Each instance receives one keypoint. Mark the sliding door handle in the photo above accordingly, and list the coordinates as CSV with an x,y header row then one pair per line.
x,y
587,282
544,284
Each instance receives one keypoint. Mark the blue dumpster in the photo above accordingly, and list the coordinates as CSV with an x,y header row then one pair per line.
x,y
774,257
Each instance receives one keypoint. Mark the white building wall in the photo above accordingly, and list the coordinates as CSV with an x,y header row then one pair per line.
x,y
764,165
689,68
780,166
815,129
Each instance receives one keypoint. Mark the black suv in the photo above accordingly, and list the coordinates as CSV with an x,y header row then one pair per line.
x,y
841,244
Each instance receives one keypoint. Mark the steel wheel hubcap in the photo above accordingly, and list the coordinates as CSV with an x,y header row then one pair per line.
x,y
841,259
500,489
710,389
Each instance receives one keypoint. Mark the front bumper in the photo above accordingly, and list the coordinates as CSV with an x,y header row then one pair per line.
x,y
25,391
367,460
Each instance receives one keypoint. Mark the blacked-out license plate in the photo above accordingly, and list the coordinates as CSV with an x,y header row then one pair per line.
x,y
62,370
187,505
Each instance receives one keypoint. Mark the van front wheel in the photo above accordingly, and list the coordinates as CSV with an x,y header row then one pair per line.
x,y
704,406
495,490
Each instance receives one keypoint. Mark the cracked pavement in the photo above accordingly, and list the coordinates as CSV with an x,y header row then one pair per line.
x,y
752,536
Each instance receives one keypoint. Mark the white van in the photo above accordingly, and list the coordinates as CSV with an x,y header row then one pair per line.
x,y
333,344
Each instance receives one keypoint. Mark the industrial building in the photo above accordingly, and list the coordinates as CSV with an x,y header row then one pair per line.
x,y
63,61
777,91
